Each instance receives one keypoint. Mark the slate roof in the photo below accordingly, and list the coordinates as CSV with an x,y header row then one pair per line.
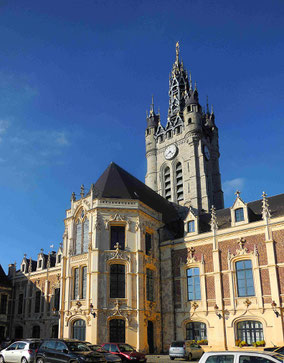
x,y
4,281
116,182
276,206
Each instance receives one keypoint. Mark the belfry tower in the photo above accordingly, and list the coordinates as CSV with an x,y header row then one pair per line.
x,y
183,156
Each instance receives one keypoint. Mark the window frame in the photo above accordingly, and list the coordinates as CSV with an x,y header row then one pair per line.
x,y
150,284
202,330
82,247
116,282
191,226
196,292
244,271
251,330
114,241
239,213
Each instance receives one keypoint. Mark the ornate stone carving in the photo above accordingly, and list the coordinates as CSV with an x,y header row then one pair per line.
x,y
190,258
117,218
242,250
118,254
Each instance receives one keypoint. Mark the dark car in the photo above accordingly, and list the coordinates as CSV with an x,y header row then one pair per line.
x,y
125,352
108,356
67,350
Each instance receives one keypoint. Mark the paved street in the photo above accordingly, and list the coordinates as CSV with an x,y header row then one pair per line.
x,y
161,359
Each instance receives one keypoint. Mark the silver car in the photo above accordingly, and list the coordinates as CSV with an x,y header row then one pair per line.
x,y
22,351
185,349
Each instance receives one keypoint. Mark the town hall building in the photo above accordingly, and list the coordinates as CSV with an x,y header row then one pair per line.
x,y
151,263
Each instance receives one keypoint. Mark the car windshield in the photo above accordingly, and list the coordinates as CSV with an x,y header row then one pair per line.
x,y
98,348
125,348
77,347
177,344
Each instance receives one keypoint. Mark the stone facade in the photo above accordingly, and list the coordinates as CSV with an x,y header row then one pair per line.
x,y
149,264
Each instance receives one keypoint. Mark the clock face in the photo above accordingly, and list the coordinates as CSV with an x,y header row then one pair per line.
x,y
206,152
170,152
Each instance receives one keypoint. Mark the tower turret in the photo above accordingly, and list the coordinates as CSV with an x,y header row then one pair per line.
x,y
153,122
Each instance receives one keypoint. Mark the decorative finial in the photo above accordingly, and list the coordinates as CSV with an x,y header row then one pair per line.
x,y
159,110
213,222
207,105
212,110
30,265
265,207
73,197
238,193
152,106
190,82
177,52
41,250
195,86
82,191
25,255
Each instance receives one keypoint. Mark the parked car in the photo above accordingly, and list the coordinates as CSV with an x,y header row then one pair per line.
x,y
239,357
108,356
23,351
279,350
67,350
125,352
185,349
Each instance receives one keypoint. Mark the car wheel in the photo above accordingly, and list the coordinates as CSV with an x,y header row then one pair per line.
x,y
40,360
24,360
2,360
189,358
172,358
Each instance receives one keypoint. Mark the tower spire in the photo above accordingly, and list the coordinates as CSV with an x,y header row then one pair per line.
x,y
190,82
177,52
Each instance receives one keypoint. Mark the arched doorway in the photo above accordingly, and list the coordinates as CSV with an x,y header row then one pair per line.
x,y
19,332
117,331
79,330
36,331
150,336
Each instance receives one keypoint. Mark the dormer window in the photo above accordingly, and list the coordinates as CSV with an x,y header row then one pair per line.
x,y
39,263
189,121
239,215
191,226
58,258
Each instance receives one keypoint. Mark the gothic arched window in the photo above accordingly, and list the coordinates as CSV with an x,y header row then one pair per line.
x,y
179,182
79,329
82,236
167,183
250,331
196,331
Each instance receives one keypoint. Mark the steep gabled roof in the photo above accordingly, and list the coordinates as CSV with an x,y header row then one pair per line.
x,y
116,182
4,281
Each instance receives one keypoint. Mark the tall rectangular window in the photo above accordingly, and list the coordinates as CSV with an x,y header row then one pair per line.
x,y
150,284
148,243
193,284
84,282
239,215
56,299
20,304
191,226
37,301
78,244
117,281
244,278
76,284
117,235
86,235
3,304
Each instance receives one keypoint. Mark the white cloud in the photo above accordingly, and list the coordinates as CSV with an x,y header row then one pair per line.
x,y
231,186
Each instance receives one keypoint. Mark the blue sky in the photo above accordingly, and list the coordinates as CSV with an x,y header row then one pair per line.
x,y
76,78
